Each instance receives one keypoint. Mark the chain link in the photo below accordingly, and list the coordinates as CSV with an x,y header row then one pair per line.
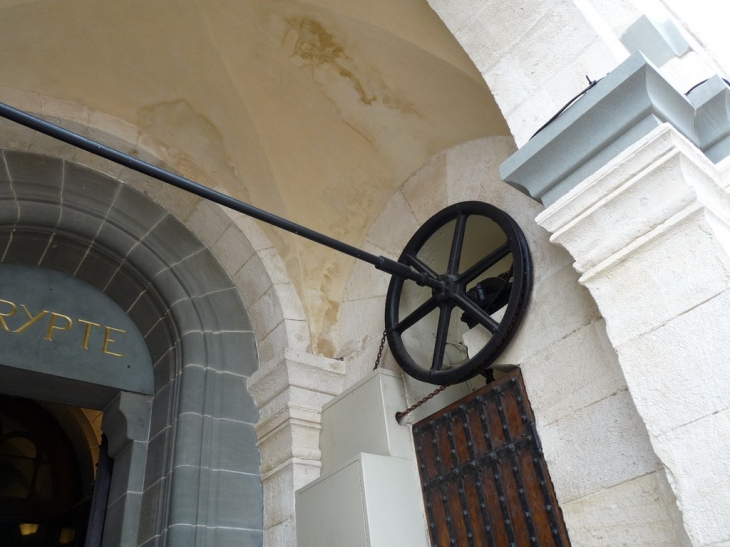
x,y
380,351
400,415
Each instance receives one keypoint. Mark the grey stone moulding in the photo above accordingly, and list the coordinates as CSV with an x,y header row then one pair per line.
x,y
190,475
660,42
712,121
622,108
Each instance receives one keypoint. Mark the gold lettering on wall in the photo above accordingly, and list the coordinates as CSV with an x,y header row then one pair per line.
x,y
52,326
32,319
87,333
13,311
108,340
58,322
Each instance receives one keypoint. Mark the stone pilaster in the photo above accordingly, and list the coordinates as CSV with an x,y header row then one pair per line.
x,y
650,235
290,394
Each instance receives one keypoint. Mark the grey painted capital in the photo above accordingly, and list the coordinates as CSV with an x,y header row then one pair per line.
x,y
126,419
712,121
622,108
660,42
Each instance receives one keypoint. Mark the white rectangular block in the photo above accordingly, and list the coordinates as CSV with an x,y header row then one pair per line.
x,y
371,501
362,419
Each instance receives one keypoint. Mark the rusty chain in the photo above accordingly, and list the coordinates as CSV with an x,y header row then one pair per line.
x,y
380,351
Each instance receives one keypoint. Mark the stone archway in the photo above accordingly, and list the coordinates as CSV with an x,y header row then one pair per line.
x,y
193,458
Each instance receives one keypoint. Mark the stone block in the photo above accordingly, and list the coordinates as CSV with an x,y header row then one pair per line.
x,y
266,313
221,311
25,248
121,522
113,237
253,232
146,312
188,440
231,537
208,221
642,511
698,468
87,190
186,317
229,500
298,369
597,447
360,319
162,409
64,255
151,510
96,268
226,397
673,379
573,373
233,351
232,250
279,487
629,302
642,204
283,534
558,306
170,229
129,471
201,274
14,136
252,280
229,445
156,465
34,175
134,212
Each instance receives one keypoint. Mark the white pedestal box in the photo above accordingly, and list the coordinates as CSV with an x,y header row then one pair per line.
x,y
369,494
370,501
362,419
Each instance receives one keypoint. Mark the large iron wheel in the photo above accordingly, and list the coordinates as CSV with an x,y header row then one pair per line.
x,y
480,258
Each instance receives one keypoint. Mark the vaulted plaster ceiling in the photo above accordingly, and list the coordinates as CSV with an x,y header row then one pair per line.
x,y
315,110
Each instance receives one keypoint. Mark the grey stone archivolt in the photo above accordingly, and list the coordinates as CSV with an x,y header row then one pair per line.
x,y
193,478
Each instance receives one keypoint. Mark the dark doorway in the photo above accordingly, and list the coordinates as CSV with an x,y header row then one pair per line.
x,y
41,499
485,481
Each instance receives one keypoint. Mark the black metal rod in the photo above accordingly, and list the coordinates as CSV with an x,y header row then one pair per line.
x,y
52,130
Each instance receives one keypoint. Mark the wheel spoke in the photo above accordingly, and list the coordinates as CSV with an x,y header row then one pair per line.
x,y
478,314
456,245
420,265
485,263
415,316
439,346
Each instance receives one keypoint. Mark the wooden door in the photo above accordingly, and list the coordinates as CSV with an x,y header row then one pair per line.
x,y
484,478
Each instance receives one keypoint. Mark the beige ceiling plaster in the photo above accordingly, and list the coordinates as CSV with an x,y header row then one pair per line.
x,y
316,111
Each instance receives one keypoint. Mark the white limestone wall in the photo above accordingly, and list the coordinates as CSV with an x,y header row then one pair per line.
x,y
535,54
649,233
609,482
